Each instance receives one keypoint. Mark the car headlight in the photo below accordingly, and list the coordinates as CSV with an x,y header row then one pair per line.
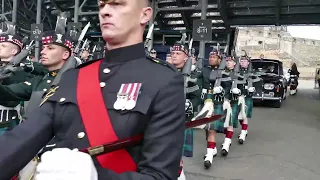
x,y
268,86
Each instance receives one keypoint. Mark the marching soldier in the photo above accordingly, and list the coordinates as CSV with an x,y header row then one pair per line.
x,y
168,59
103,101
247,104
179,56
216,103
153,53
85,54
232,95
10,45
56,51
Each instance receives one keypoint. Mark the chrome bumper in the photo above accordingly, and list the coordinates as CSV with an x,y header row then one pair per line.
x,y
265,98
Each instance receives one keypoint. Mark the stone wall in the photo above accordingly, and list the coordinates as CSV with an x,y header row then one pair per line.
x,y
277,43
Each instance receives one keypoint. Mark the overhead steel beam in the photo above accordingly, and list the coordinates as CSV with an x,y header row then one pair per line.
x,y
285,20
269,3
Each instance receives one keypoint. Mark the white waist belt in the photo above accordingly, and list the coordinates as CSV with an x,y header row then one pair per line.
x,y
6,110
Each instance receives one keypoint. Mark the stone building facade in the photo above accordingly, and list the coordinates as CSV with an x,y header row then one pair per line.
x,y
277,43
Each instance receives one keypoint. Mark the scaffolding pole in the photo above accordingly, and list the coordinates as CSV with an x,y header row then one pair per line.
x,y
14,11
2,12
202,44
76,11
38,21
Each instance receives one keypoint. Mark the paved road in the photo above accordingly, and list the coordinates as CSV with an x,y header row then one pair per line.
x,y
282,144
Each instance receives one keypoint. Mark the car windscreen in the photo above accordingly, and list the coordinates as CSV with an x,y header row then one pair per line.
x,y
265,67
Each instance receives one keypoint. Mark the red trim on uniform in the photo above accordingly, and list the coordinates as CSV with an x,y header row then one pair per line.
x,y
96,119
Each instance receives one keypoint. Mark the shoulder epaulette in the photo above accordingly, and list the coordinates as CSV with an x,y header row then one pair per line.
x,y
87,63
158,61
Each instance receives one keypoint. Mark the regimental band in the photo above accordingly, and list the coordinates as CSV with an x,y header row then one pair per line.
x,y
127,96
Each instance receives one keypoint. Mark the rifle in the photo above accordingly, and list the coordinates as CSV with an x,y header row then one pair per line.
x,y
132,141
83,33
147,46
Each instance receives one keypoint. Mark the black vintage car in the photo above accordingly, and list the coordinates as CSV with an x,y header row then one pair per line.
x,y
273,86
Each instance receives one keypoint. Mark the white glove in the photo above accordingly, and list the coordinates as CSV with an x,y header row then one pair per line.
x,y
217,90
251,89
235,91
187,104
193,67
66,164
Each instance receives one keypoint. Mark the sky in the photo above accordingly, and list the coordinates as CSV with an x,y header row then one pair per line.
x,y
308,32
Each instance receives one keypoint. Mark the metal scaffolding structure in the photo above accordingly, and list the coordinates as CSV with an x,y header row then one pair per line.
x,y
173,17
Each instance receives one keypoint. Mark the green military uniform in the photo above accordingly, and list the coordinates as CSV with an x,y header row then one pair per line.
x,y
246,94
22,91
10,109
194,95
233,101
36,68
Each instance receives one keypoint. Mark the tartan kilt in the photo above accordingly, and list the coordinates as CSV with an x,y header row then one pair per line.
x,y
249,106
217,125
12,124
187,150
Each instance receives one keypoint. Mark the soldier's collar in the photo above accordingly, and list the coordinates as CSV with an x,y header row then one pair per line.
x,y
127,53
3,63
53,73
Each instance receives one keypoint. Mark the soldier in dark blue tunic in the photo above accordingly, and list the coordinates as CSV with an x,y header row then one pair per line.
x,y
123,95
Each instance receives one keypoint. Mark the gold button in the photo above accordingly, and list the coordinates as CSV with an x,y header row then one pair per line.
x,y
106,70
81,135
45,90
62,99
48,81
102,84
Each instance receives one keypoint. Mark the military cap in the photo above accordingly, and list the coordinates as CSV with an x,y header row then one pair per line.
x,y
230,58
51,37
215,52
153,51
14,39
180,47
245,58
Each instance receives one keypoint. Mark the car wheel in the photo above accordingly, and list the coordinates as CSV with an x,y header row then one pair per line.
x,y
278,103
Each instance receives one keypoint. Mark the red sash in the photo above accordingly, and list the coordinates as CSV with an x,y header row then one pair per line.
x,y
96,119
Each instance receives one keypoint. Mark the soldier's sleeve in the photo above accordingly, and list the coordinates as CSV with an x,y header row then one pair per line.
x,y
163,137
21,144
39,69
19,91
